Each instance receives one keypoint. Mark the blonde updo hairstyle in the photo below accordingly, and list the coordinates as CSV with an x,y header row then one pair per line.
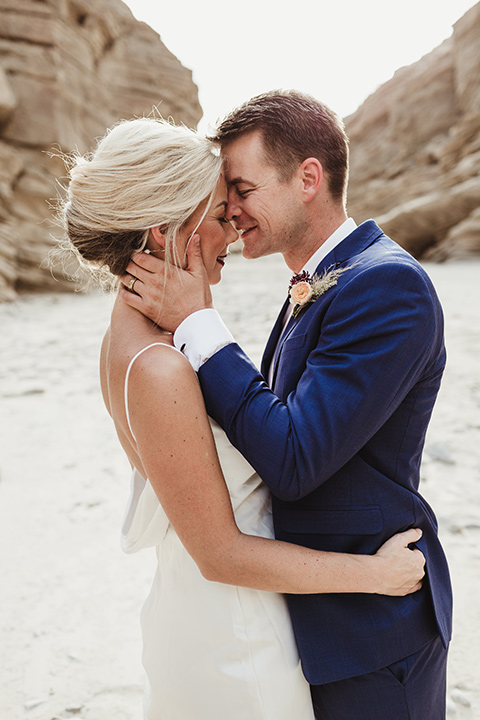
x,y
144,173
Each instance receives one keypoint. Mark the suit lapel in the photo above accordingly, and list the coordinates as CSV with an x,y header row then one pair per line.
x,y
288,329
363,236
273,340
355,243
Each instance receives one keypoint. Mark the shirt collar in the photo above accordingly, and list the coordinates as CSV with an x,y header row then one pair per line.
x,y
345,229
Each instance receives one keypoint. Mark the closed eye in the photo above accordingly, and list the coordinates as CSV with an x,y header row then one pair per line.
x,y
243,193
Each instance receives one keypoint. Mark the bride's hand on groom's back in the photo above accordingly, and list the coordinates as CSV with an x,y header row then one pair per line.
x,y
164,292
401,568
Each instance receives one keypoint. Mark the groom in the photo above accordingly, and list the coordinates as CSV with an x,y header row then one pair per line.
x,y
335,423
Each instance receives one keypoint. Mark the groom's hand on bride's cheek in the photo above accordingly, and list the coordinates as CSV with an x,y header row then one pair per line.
x,y
163,292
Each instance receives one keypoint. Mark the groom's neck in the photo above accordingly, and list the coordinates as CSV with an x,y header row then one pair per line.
x,y
317,233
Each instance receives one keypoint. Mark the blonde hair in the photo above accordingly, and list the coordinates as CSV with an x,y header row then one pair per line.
x,y
143,173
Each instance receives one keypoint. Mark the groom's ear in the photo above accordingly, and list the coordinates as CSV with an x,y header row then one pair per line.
x,y
311,176
158,234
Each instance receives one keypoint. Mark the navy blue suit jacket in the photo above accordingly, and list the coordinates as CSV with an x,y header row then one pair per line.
x,y
339,444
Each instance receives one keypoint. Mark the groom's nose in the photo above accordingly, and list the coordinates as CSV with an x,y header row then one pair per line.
x,y
233,210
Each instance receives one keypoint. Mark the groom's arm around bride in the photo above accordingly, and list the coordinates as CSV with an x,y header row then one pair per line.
x,y
339,432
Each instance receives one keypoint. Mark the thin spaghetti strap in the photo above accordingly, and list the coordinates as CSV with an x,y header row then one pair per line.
x,y
128,375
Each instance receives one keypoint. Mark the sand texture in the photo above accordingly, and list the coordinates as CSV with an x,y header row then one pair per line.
x,y
70,599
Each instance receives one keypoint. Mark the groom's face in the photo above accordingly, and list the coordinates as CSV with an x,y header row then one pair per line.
x,y
268,211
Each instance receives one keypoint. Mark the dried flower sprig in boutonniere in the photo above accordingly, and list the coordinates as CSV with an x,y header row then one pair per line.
x,y
304,289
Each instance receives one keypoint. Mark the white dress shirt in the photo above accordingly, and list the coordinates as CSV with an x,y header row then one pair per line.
x,y
203,333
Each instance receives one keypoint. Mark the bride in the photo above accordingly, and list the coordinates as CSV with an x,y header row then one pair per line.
x,y
216,632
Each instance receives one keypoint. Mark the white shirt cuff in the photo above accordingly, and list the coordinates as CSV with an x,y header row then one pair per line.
x,y
201,335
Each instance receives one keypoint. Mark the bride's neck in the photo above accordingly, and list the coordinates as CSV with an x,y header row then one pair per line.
x,y
127,321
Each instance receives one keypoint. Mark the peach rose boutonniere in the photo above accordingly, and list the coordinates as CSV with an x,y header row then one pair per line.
x,y
304,289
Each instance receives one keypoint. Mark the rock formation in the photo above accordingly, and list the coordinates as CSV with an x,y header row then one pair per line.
x,y
415,150
68,70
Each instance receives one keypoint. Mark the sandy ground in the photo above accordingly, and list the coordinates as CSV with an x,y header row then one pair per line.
x,y
70,600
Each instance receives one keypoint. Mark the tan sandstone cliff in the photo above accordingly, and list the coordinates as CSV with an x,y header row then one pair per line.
x,y
415,150
68,70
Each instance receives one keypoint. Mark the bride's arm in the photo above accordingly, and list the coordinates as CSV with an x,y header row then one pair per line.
x,y
179,456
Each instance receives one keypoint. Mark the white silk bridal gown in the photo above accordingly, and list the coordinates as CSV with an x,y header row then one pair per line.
x,y
213,651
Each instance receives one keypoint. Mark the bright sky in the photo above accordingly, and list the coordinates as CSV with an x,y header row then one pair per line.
x,y
340,51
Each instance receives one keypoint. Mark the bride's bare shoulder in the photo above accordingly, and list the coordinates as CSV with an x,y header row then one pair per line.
x,y
161,363
163,385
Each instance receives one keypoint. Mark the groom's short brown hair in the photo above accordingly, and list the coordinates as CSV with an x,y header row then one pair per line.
x,y
294,126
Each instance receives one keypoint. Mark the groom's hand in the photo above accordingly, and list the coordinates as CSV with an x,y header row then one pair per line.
x,y
165,293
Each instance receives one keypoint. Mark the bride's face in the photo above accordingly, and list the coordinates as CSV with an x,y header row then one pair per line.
x,y
215,231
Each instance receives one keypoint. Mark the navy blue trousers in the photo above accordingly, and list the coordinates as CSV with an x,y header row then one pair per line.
x,y
411,689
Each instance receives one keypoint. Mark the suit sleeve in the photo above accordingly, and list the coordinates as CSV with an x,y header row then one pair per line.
x,y
378,334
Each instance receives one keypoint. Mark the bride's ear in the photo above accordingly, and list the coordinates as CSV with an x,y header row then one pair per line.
x,y
157,234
